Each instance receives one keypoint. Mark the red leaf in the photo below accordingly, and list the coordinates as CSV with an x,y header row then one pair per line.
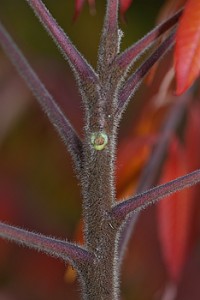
x,y
174,216
78,8
192,137
124,5
187,49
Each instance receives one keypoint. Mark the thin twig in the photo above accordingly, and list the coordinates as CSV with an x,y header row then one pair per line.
x,y
64,250
55,115
108,47
139,202
128,57
136,78
71,54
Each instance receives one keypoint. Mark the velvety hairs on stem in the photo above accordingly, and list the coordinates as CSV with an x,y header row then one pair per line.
x,y
105,93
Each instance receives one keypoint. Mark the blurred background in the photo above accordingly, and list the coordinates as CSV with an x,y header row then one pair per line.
x,y
38,189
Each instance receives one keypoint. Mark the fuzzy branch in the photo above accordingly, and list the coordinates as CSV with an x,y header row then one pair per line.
x,y
51,246
139,202
127,58
136,78
55,115
108,47
111,19
71,54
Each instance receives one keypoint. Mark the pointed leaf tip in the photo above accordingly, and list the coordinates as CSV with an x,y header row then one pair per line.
x,y
79,7
124,6
187,48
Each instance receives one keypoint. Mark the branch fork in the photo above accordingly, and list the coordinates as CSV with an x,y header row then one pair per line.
x,y
105,94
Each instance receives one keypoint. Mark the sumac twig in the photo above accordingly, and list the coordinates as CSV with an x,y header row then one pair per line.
x,y
108,47
132,83
128,57
71,54
139,202
105,95
48,104
64,250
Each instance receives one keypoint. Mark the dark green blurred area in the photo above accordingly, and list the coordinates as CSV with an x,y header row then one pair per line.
x,y
85,32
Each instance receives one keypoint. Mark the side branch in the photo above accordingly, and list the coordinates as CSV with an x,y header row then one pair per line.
x,y
127,58
111,20
71,54
139,202
109,43
55,115
66,251
136,78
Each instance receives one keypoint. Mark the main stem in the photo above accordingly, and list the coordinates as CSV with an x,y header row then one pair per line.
x,y
101,277
101,280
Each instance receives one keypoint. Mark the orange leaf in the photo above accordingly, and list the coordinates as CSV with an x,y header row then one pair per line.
x,y
192,137
174,216
187,49
132,156
70,273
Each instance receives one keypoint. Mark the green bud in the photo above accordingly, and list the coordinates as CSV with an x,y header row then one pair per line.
x,y
99,140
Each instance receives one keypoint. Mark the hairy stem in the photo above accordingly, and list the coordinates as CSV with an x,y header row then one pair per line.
x,y
139,202
128,57
98,186
48,104
108,47
64,250
77,62
105,96
101,281
136,78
